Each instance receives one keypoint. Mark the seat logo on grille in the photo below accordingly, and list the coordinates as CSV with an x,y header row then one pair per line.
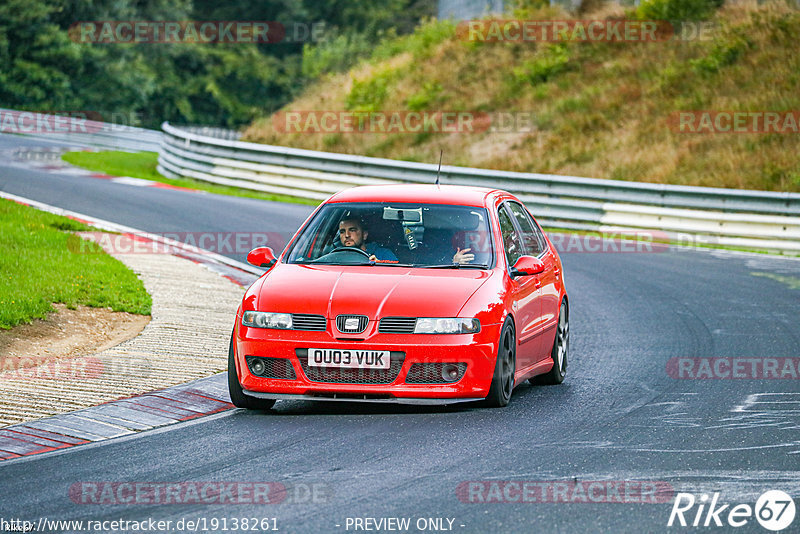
x,y
351,324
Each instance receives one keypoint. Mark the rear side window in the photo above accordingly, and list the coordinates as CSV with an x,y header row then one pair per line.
x,y
532,237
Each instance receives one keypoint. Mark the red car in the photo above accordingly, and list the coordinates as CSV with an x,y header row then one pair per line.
x,y
419,294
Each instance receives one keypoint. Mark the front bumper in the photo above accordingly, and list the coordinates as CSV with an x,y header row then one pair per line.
x,y
478,351
360,398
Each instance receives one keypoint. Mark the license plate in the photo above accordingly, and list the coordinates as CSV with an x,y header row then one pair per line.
x,y
351,359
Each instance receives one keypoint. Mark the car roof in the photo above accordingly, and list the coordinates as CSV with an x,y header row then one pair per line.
x,y
417,193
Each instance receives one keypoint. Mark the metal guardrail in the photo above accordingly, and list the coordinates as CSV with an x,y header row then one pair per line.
x,y
757,219
76,130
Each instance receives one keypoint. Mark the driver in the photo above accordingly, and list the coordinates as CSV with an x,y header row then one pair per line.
x,y
353,234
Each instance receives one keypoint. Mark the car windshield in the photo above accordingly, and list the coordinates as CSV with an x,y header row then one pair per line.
x,y
396,235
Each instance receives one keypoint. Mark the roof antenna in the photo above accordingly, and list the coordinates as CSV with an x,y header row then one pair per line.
x,y
441,152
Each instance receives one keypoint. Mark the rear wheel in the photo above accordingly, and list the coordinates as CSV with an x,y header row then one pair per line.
x,y
238,398
559,352
504,368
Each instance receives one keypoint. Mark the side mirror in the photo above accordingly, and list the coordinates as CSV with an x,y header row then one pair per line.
x,y
526,266
261,257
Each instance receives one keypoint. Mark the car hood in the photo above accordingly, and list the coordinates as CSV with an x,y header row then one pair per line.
x,y
374,291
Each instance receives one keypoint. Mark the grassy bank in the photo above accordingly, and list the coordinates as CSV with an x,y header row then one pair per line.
x,y
38,268
143,165
598,109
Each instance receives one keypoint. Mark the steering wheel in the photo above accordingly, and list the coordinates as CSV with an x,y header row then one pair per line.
x,y
350,250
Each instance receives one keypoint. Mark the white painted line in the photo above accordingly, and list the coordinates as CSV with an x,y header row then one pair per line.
x,y
127,180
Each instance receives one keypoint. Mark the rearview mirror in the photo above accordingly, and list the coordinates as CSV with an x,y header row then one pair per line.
x,y
526,266
409,216
261,257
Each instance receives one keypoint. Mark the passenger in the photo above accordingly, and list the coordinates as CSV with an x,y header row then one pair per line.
x,y
463,256
439,245
353,234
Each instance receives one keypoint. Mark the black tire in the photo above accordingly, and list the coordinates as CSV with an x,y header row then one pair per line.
x,y
238,398
559,352
504,368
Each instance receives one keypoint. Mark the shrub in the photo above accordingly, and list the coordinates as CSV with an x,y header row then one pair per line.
x,y
677,9
369,94
553,60
721,55
429,95
336,54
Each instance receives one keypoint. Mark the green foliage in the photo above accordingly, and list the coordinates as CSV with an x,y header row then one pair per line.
x,y
336,54
420,44
425,98
42,264
44,67
522,9
677,9
339,52
544,66
721,55
369,94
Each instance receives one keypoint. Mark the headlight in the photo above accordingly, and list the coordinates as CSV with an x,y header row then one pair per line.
x,y
267,320
447,325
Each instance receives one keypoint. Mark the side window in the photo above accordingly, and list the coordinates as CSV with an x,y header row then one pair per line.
x,y
511,238
531,236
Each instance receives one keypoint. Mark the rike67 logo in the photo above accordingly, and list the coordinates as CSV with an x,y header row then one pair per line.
x,y
774,510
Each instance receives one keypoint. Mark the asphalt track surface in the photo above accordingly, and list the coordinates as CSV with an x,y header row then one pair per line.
x,y
619,416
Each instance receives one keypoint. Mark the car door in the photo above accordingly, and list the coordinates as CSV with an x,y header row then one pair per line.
x,y
536,245
525,293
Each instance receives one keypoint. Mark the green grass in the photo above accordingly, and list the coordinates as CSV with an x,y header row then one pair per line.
x,y
143,165
38,268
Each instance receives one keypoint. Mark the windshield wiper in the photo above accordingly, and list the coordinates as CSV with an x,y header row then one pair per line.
x,y
390,264
314,262
455,266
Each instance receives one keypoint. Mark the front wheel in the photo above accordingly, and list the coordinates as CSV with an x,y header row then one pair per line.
x,y
238,398
504,368
559,352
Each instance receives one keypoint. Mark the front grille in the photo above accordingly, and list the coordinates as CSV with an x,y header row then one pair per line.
x,y
431,373
350,396
341,321
303,321
338,375
397,325
280,368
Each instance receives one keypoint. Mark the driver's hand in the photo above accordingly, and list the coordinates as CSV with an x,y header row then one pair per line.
x,y
373,258
461,256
